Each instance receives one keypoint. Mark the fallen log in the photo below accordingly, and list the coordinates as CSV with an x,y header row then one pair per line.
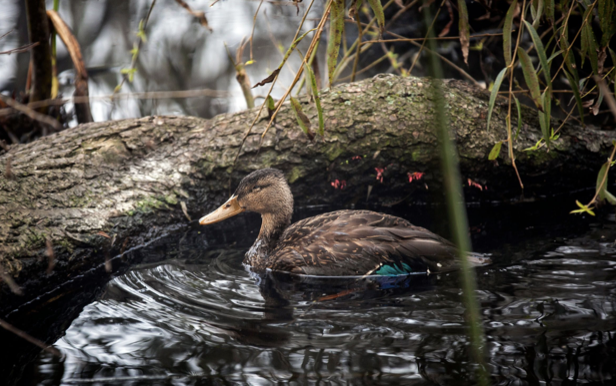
x,y
70,200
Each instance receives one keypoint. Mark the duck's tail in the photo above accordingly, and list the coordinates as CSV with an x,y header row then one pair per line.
x,y
478,259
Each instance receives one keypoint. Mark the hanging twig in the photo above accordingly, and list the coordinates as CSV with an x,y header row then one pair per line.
x,y
46,119
9,327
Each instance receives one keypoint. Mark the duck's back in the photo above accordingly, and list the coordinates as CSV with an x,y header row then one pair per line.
x,y
360,242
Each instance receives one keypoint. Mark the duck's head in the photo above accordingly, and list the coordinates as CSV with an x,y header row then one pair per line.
x,y
263,191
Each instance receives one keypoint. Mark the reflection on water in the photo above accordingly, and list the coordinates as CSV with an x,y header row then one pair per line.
x,y
197,316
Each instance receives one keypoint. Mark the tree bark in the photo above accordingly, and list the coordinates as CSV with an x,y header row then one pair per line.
x,y
96,190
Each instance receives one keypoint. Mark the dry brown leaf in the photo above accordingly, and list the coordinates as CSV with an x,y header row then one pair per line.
x,y
269,79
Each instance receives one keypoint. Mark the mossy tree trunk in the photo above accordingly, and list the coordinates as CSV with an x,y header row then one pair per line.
x,y
101,188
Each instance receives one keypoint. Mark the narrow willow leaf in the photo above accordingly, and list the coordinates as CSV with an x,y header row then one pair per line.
x,y
292,47
592,48
317,99
601,189
607,22
576,94
531,77
495,88
377,8
336,27
570,59
495,152
517,105
549,10
464,29
613,55
302,119
541,53
554,55
610,197
544,117
507,32
538,13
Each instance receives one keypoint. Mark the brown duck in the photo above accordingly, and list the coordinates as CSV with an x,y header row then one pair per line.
x,y
340,243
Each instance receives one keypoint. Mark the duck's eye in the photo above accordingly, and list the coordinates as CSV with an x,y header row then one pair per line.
x,y
256,189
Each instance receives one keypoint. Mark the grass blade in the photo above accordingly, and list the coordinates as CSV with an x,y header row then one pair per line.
x,y
538,12
507,32
302,119
576,93
377,8
464,29
336,27
317,99
608,24
592,47
541,53
517,105
495,88
545,117
549,10
570,60
531,77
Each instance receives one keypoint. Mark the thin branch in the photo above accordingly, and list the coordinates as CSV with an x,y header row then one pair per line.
x,y
299,72
140,42
31,113
133,95
427,33
34,341
25,48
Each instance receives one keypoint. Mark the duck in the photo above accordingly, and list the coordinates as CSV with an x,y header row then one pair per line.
x,y
338,243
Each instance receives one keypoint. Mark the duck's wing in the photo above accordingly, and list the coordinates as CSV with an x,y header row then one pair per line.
x,y
360,243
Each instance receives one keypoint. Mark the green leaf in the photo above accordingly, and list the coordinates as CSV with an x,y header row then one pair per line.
x,y
535,146
589,44
495,152
507,32
271,106
464,29
531,77
302,119
377,8
576,94
554,55
336,27
141,32
607,20
583,209
613,55
544,116
292,47
541,53
317,99
549,10
495,88
601,189
517,105
538,12
130,72
570,59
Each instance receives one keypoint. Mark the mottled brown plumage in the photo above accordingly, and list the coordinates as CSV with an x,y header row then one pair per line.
x,y
340,243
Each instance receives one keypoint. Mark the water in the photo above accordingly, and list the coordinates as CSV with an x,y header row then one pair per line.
x,y
191,314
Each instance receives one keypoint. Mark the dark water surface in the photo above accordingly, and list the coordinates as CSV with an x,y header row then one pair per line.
x,y
191,314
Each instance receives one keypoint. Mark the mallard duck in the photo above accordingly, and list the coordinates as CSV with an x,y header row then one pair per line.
x,y
340,243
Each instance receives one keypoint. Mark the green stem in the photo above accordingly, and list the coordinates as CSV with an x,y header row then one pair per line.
x,y
455,206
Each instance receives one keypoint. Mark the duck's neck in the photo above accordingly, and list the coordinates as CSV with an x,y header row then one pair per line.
x,y
272,228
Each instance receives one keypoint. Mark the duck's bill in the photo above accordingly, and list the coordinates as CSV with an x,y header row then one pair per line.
x,y
226,210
